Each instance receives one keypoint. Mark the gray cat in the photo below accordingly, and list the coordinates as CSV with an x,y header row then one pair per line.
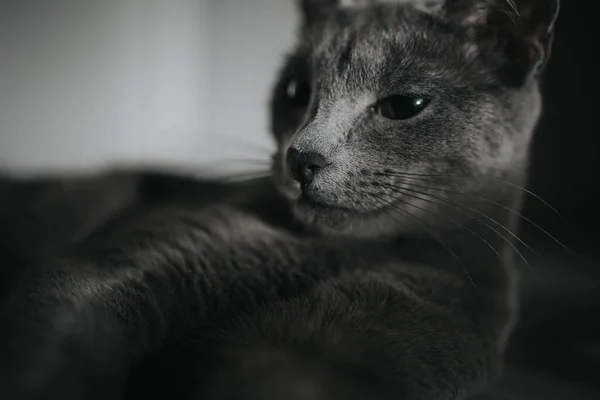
x,y
376,264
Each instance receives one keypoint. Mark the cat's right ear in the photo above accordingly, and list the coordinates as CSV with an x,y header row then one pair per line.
x,y
520,31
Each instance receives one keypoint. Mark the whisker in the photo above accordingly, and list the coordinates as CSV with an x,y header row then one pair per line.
x,y
451,203
480,178
245,144
515,212
514,13
471,209
439,215
432,233
213,171
246,177
253,161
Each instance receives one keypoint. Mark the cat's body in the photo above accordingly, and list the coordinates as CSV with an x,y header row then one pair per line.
x,y
379,264
325,282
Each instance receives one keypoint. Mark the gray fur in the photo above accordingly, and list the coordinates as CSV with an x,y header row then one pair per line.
x,y
336,290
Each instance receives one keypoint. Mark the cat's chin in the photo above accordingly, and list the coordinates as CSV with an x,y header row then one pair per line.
x,y
343,221
331,219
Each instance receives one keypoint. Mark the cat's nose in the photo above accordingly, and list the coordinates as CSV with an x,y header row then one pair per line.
x,y
304,165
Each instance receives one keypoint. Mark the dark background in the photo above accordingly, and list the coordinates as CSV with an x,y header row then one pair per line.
x,y
565,166
559,333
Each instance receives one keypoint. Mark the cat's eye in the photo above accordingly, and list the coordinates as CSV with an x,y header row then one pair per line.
x,y
400,107
297,92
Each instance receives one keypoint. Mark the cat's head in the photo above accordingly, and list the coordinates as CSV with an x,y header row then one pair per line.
x,y
383,100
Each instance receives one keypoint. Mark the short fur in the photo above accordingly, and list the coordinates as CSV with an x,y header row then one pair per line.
x,y
389,276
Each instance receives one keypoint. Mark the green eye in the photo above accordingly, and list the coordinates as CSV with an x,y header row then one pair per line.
x,y
400,107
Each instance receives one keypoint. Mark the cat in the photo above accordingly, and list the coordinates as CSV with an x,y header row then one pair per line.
x,y
378,262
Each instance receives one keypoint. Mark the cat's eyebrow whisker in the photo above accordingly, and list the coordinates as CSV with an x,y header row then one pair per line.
x,y
407,181
460,207
431,232
515,10
480,178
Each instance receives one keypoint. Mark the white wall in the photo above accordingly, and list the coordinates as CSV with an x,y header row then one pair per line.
x,y
85,84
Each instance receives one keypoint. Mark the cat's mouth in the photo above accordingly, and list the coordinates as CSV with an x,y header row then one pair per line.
x,y
347,220
328,205
306,201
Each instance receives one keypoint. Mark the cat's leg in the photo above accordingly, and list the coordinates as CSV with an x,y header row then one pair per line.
x,y
73,329
80,324
375,335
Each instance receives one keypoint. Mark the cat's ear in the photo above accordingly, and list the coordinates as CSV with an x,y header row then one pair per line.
x,y
313,10
521,29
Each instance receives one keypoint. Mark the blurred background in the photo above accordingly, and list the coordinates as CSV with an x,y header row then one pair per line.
x,y
85,84
185,83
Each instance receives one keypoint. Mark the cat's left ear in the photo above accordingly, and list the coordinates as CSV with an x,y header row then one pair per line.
x,y
522,29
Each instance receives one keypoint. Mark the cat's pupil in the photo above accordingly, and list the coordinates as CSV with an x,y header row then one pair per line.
x,y
400,107
298,92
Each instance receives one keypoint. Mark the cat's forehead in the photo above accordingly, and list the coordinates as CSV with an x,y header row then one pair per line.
x,y
425,5
375,32
376,24
367,46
